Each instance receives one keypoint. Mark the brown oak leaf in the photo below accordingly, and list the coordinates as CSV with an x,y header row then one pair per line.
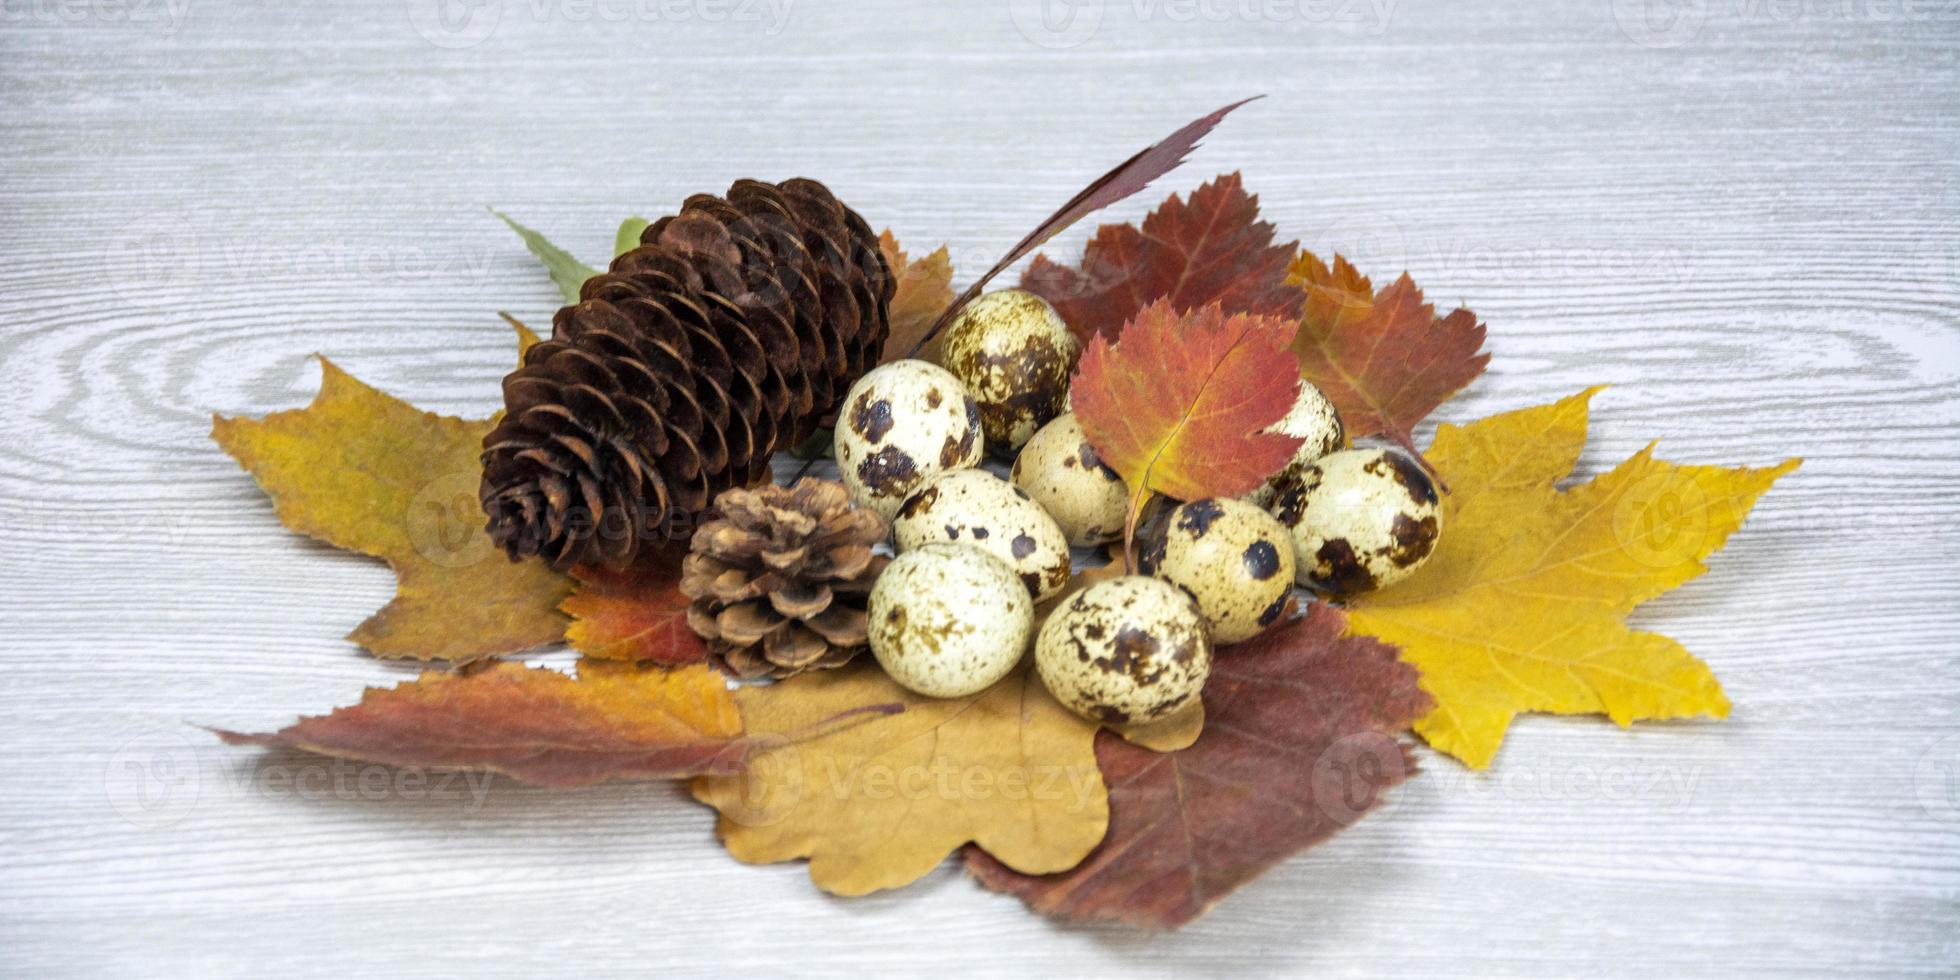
x,y
880,801
1384,359
1213,249
614,721
1298,744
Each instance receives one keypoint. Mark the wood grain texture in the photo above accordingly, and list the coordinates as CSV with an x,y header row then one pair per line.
x,y
1747,223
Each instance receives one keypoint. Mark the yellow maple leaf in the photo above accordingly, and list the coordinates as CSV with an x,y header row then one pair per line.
x,y
368,472
877,803
1523,605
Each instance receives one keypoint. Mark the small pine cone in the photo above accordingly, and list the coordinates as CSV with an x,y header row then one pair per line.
x,y
780,582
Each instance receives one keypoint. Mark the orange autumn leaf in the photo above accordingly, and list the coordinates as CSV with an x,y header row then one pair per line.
x,y
365,471
636,613
1210,249
925,287
1384,359
1181,404
614,721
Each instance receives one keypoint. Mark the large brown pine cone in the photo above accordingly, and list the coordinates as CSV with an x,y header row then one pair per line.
x,y
780,582
728,334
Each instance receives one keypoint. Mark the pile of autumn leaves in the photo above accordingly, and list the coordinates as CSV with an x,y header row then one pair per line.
x,y
1521,608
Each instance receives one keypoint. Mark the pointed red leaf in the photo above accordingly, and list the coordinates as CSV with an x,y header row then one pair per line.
x,y
637,613
1384,359
1180,405
1213,249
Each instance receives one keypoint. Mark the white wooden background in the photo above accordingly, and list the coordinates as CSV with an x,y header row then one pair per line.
x,y
1744,213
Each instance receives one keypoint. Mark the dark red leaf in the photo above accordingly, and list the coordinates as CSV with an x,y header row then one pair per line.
x,y
1213,249
1299,742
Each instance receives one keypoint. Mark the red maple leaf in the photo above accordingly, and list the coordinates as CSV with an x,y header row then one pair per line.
x,y
1298,744
1213,249
637,613
1384,359
1180,406
614,721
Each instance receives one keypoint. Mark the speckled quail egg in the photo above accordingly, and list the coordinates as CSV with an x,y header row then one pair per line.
x,y
947,620
1015,355
1130,649
901,425
1361,519
1235,559
975,507
1062,472
1314,420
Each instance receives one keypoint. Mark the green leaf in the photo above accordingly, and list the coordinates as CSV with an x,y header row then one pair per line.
x,y
628,238
568,272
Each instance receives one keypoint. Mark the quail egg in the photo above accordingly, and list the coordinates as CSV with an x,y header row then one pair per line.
x,y
1062,472
901,425
1361,519
1125,650
1235,559
977,508
1015,355
1314,420
946,621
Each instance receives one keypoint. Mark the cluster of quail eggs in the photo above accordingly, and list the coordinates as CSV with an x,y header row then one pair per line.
x,y
954,612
